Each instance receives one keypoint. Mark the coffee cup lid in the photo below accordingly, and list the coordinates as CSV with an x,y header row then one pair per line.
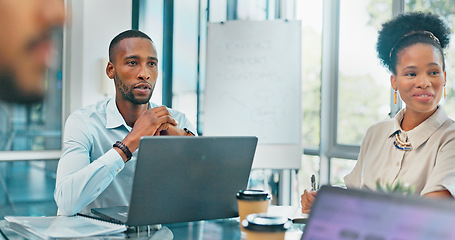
x,y
263,223
253,195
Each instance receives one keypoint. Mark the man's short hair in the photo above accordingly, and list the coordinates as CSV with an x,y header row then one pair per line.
x,y
126,34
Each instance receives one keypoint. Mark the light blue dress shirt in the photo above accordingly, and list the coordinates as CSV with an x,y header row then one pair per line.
x,y
91,173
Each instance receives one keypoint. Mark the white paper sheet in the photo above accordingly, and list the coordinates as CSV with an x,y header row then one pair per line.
x,y
65,227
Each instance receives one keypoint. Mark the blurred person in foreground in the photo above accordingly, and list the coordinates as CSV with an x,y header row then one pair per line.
x,y
26,46
417,147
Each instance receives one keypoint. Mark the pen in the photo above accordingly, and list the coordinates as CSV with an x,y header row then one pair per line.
x,y
313,182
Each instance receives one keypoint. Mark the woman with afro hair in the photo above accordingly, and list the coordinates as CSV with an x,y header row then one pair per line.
x,y
417,147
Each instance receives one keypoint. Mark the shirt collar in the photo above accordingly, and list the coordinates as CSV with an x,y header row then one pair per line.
x,y
423,131
113,117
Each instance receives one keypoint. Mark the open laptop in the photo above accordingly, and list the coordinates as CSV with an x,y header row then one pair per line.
x,y
341,214
181,179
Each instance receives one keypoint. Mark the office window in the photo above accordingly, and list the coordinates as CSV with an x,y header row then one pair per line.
x,y
185,58
151,23
446,10
340,168
364,85
252,10
310,12
184,51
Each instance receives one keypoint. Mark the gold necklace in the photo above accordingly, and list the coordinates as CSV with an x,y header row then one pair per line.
x,y
400,144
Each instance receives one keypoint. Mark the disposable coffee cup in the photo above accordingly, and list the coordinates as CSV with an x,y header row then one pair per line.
x,y
252,201
263,227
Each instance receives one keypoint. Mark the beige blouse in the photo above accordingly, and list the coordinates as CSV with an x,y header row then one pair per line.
x,y
429,166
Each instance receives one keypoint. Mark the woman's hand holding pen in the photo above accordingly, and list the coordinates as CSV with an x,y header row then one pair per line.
x,y
307,199
308,196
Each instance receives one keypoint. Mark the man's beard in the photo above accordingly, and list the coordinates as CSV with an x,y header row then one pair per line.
x,y
10,91
127,92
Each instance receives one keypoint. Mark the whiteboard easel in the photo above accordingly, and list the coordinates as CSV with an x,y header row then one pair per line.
x,y
253,87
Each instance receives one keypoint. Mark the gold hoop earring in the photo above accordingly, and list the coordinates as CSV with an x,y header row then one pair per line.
x,y
396,96
444,92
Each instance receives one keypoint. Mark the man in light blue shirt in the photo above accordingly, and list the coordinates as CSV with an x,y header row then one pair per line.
x,y
100,141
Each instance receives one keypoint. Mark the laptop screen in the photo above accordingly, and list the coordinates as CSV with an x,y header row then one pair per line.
x,y
341,214
181,179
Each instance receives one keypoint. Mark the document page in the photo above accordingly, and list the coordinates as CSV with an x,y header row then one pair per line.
x,y
65,227
292,212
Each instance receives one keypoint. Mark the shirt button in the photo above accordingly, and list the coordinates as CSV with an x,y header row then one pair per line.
x,y
398,163
119,170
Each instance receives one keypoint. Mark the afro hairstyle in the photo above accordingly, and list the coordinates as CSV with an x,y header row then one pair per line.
x,y
397,34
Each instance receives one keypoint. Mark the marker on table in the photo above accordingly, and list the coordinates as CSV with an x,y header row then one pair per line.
x,y
313,183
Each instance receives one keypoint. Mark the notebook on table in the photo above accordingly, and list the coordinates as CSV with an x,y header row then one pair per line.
x,y
340,214
293,213
182,179
58,227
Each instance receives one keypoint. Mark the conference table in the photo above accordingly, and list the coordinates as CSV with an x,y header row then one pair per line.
x,y
221,229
